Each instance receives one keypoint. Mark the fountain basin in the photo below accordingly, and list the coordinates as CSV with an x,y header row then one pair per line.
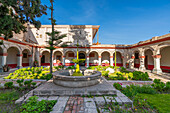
x,y
63,78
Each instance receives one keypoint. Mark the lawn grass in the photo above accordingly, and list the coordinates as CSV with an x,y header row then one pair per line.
x,y
7,100
160,101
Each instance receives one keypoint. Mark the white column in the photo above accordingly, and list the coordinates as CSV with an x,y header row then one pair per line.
x,y
123,61
3,58
19,60
63,61
142,63
30,60
87,61
100,60
131,62
157,68
111,60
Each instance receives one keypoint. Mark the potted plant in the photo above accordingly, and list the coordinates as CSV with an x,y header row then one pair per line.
x,y
6,68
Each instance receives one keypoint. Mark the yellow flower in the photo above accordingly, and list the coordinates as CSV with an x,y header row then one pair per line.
x,y
136,109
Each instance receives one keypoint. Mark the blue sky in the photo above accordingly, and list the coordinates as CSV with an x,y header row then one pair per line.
x,y
121,21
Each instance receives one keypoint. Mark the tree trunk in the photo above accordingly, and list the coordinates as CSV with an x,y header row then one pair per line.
x,y
51,61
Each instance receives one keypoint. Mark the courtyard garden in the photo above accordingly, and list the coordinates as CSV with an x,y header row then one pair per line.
x,y
146,98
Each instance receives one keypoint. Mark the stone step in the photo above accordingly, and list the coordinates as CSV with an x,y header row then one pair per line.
x,y
51,89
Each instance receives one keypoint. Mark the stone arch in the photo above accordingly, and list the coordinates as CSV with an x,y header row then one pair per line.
x,y
69,55
57,58
45,58
13,52
25,59
148,47
93,58
164,61
83,55
149,61
41,51
119,60
136,59
105,58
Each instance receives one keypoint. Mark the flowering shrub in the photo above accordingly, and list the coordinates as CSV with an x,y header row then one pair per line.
x,y
30,73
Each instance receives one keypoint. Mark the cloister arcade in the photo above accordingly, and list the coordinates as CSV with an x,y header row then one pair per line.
x,y
154,56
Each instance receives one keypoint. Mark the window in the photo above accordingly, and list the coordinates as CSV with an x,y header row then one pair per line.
x,y
91,55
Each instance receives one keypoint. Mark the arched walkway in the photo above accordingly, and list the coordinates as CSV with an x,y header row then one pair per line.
x,y
136,60
25,58
57,59
119,61
105,58
45,59
69,55
165,59
82,55
12,57
149,62
93,58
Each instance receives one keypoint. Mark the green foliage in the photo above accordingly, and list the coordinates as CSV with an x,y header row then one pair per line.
x,y
20,82
133,90
138,75
78,61
58,67
160,86
9,85
117,86
71,67
30,73
15,14
159,101
77,74
105,73
35,106
28,83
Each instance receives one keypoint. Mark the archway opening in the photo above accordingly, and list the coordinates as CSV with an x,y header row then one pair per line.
x,y
82,56
164,61
68,60
57,59
119,61
149,63
45,59
136,60
25,58
93,59
105,58
12,57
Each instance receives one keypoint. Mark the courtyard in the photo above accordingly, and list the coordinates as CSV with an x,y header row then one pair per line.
x,y
84,56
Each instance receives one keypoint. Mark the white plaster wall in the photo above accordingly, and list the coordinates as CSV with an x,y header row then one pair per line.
x,y
150,58
12,56
165,59
105,57
47,56
64,30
